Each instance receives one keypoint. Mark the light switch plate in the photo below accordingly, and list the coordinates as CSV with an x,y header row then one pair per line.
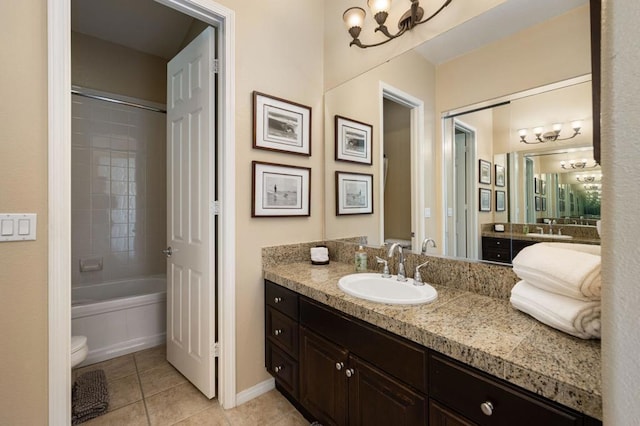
x,y
17,227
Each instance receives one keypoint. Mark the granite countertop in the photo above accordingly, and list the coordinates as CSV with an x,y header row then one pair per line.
x,y
481,331
520,236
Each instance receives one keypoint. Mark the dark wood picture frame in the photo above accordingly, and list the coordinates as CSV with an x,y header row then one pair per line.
x,y
500,175
354,193
484,172
538,203
501,201
279,190
484,199
281,125
353,140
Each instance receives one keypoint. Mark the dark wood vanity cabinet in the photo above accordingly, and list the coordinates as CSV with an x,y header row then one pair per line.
x,y
502,250
339,370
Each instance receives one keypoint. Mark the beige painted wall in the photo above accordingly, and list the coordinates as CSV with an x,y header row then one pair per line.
x,y
23,189
101,65
360,99
280,56
621,225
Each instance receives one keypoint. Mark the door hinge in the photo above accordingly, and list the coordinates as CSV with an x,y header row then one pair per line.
x,y
215,208
216,349
215,66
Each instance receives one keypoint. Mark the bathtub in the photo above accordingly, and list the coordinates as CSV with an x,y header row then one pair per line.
x,y
120,317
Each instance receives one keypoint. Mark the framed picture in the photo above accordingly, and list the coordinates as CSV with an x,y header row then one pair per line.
x,y
543,204
500,178
536,185
485,172
543,187
353,140
562,207
354,193
280,190
281,125
500,201
538,202
561,193
485,200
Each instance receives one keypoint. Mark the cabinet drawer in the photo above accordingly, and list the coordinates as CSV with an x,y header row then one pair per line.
x,y
282,299
496,243
496,255
464,390
398,357
283,331
283,368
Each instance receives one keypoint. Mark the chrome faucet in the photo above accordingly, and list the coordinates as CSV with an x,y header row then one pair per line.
x,y
425,244
551,223
417,278
539,229
401,273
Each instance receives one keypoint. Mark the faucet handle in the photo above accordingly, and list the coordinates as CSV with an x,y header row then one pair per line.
x,y
417,278
385,269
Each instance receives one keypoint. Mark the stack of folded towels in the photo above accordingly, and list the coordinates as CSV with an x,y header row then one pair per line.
x,y
560,286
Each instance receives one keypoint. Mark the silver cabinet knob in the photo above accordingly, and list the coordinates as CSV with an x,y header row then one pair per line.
x,y
487,408
277,299
350,372
278,368
277,332
339,365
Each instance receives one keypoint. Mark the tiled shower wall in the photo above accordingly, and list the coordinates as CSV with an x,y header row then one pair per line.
x,y
118,184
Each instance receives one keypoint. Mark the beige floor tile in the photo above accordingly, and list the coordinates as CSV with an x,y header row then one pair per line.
x,y
114,368
151,358
123,391
267,409
213,416
292,418
130,415
176,404
160,379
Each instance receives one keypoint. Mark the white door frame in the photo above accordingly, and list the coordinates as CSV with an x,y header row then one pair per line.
x,y
472,204
59,204
418,159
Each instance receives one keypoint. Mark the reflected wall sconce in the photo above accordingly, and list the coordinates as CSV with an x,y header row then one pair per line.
x,y
354,20
554,135
576,165
589,178
593,187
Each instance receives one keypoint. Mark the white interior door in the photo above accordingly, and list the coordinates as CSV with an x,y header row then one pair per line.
x,y
190,225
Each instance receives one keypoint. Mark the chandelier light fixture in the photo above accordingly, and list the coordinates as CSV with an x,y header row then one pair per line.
x,y
354,20
592,187
588,178
554,135
576,165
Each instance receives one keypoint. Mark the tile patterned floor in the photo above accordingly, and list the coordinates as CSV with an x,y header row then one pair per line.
x,y
144,389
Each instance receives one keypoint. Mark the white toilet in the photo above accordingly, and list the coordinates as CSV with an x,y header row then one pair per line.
x,y
79,350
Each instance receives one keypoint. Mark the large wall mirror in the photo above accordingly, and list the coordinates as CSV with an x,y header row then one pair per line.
x,y
417,123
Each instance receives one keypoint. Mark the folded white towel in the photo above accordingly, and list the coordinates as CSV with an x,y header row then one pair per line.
x,y
585,248
562,269
319,254
576,317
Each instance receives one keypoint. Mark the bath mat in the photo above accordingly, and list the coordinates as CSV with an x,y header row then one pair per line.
x,y
89,397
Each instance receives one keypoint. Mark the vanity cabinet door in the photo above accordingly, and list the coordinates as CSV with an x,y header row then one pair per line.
x,y
496,249
323,382
376,398
441,416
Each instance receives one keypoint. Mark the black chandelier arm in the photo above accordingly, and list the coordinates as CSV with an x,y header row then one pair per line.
x,y
383,30
446,3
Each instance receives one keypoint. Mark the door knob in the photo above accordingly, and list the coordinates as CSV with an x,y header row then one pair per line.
x,y
168,251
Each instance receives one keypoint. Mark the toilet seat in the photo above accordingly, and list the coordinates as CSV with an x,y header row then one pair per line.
x,y
79,349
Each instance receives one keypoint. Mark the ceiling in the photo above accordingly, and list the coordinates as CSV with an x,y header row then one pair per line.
x,y
150,27
143,25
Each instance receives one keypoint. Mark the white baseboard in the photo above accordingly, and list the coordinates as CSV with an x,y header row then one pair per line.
x,y
255,391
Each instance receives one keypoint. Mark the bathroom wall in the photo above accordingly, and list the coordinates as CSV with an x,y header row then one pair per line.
x,y
118,190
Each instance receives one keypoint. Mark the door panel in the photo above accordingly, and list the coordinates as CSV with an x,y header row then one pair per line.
x,y
190,234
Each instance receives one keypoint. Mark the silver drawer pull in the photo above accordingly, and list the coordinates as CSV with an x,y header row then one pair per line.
x,y
278,368
277,332
277,299
350,372
339,366
487,408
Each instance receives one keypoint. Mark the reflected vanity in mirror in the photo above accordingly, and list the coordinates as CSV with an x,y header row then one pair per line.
x,y
418,191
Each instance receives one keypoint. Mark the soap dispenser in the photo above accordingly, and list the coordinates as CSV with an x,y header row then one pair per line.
x,y
361,259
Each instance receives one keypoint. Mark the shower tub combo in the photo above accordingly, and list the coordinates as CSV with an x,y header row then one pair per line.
x,y
120,317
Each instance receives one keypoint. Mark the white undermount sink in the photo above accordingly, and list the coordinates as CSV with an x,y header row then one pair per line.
x,y
375,288
556,236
